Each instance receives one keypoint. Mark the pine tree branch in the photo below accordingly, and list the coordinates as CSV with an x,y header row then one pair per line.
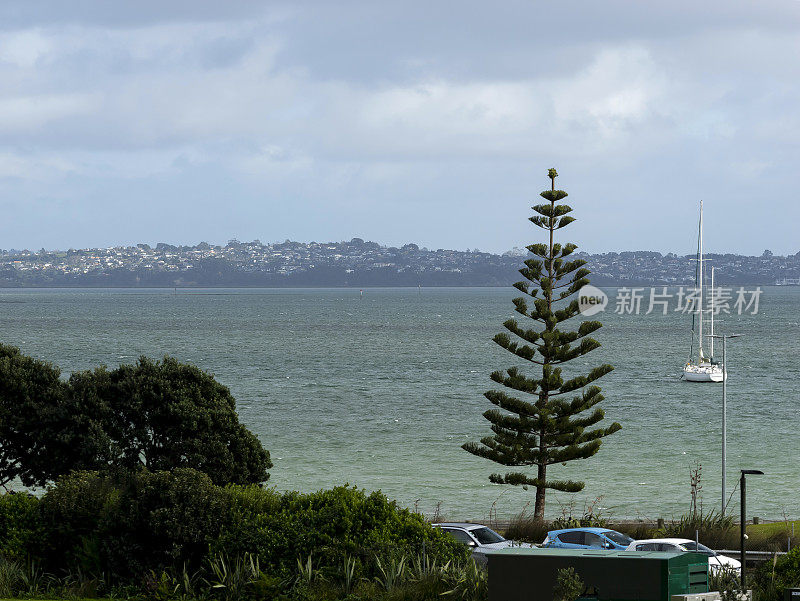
x,y
511,404
515,380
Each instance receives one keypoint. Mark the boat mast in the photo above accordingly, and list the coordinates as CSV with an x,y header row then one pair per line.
x,y
711,311
700,285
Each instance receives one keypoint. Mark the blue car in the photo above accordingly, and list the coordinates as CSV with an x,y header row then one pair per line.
x,y
587,538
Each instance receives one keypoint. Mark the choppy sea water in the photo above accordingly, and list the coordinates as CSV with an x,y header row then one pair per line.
x,y
380,391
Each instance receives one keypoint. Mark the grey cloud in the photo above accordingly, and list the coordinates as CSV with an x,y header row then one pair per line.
x,y
326,120
30,13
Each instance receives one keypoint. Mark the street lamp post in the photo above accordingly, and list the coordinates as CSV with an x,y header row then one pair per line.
x,y
724,409
743,520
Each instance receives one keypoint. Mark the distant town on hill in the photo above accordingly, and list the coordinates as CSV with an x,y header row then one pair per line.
x,y
355,263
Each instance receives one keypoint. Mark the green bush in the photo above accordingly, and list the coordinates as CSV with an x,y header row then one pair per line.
x,y
772,577
569,585
11,577
126,524
20,524
727,581
787,569
330,524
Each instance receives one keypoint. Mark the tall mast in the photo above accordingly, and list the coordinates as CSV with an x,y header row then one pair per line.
x,y
711,310
700,285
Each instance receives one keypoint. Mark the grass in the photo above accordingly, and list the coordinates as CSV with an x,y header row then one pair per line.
x,y
774,528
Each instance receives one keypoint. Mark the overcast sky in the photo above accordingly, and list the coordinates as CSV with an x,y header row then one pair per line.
x,y
427,122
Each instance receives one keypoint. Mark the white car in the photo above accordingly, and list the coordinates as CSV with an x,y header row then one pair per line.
x,y
681,545
481,539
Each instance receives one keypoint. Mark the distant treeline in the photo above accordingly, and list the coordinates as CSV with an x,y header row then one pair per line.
x,y
356,264
313,277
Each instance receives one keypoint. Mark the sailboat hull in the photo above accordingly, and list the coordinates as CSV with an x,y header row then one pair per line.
x,y
703,373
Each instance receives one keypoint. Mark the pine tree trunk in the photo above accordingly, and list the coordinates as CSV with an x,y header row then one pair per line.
x,y
538,508
544,396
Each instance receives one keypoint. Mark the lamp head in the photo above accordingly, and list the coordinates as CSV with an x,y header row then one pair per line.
x,y
752,473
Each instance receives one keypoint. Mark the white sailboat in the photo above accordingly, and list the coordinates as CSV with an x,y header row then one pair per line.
x,y
702,368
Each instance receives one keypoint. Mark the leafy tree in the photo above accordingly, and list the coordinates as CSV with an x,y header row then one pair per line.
x,y
32,408
158,415
166,414
547,428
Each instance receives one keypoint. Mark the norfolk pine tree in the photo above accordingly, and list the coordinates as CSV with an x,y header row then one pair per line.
x,y
540,426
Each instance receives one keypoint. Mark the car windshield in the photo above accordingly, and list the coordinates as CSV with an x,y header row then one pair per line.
x,y
697,548
618,537
486,536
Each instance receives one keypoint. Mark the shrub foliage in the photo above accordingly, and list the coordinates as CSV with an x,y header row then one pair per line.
x,y
20,524
155,414
128,526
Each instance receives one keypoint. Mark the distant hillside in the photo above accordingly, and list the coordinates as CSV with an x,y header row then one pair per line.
x,y
355,263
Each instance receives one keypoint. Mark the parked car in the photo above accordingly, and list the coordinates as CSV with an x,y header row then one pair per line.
x,y
587,538
716,561
481,539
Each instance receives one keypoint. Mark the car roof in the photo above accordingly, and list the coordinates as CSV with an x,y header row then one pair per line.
x,y
676,541
587,529
464,525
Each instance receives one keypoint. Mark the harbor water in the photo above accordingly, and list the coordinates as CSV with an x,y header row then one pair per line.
x,y
380,390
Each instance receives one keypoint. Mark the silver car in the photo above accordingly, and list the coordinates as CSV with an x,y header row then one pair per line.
x,y
481,539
